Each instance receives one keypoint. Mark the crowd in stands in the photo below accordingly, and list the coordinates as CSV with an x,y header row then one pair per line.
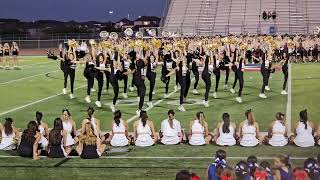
x,y
89,142
252,169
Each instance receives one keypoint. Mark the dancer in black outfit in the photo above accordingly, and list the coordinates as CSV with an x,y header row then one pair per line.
x,y
69,69
238,68
100,68
168,66
195,71
206,76
115,69
285,73
225,60
126,64
152,62
266,70
216,72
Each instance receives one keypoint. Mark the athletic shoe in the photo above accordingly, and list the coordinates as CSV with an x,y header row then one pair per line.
x,y
113,108
153,92
215,95
225,86
138,98
284,92
181,108
93,90
165,96
98,103
88,99
138,112
205,103
124,95
71,96
239,99
131,89
232,91
267,88
64,91
7,68
195,91
175,88
150,104
262,95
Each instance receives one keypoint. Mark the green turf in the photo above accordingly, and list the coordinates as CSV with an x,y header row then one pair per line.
x,y
21,92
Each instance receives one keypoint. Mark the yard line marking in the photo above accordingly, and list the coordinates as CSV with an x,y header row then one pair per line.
x,y
31,65
28,77
35,102
288,111
167,157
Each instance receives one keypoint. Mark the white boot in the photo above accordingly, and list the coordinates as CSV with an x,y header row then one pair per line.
x,y
64,91
262,95
232,91
98,103
215,95
284,92
71,96
124,95
88,100
181,108
239,99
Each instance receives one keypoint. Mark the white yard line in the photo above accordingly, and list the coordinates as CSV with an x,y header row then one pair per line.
x,y
167,157
28,77
288,111
35,102
35,64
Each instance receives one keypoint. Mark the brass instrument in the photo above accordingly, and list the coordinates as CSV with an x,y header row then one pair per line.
x,y
104,34
166,34
72,43
106,44
128,32
113,35
152,32
139,35
156,43
93,43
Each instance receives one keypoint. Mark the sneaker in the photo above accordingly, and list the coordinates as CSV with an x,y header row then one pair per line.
x,y
153,92
98,103
131,89
64,91
150,104
239,99
195,91
88,99
225,86
138,112
138,98
262,95
205,103
215,95
232,91
284,92
181,108
165,96
71,96
267,88
175,88
124,95
113,108
93,90
7,68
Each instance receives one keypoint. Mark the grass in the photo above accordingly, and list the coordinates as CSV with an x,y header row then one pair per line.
x,y
15,93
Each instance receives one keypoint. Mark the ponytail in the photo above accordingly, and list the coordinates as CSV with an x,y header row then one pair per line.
x,y
304,118
198,115
280,117
90,112
8,126
226,123
39,117
144,118
117,117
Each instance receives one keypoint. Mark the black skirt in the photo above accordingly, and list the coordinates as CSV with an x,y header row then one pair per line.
x,y
89,152
56,152
25,149
15,53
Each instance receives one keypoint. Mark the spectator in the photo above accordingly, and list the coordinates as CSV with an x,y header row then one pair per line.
x,y
183,175
274,15
242,171
283,168
312,168
215,169
264,15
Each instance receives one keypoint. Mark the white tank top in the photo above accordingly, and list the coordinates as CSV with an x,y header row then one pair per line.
x,y
4,135
41,129
169,65
143,129
278,128
230,134
67,126
302,131
248,129
197,128
119,129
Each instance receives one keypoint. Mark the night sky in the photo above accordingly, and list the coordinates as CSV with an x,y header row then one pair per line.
x,y
79,10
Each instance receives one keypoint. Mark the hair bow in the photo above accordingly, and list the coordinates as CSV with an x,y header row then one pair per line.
x,y
222,162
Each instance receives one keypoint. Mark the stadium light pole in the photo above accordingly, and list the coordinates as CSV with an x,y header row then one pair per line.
x,y
110,13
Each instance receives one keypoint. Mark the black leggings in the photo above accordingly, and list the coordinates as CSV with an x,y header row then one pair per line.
x,y
152,80
115,85
125,82
217,74
238,76
196,76
183,91
141,89
167,84
72,73
206,78
188,84
227,75
285,73
90,82
100,84
107,80
265,77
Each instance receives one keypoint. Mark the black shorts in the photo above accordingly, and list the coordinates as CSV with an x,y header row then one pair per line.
x,y
15,53
6,54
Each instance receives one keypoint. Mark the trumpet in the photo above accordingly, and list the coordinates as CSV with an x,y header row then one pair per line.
x,y
139,35
113,35
72,43
152,32
106,44
104,34
128,32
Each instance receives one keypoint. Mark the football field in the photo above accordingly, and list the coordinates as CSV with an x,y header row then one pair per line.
x,y
38,87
